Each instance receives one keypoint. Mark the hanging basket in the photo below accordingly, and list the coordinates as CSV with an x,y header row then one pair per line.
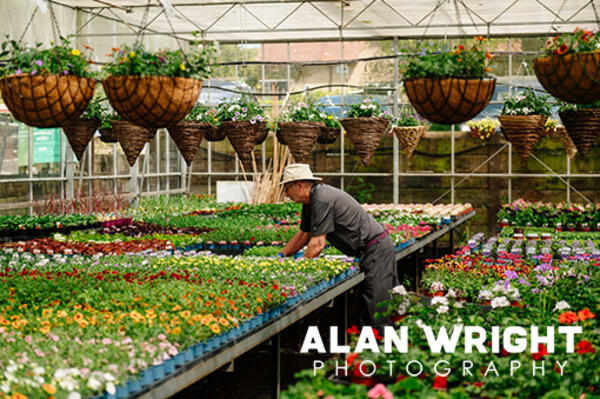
x,y
108,135
408,137
523,131
328,135
449,100
583,127
214,133
79,133
300,137
365,134
261,132
152,101
187,136
573,78
279,136
132,138
242,136
566,141
46,100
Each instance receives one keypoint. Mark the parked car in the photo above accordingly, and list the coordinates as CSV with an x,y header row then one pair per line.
x,y
333,103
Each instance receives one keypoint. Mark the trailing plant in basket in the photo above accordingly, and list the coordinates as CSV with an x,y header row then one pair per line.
x,y
312,113
406,120
94,110
580,41
243,110
484,128
136,61
60,59
471,62
567,107
203,113
526,102
368,108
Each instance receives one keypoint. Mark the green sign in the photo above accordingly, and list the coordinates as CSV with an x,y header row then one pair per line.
x,y
46,145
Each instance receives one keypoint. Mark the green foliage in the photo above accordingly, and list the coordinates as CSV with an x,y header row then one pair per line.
x,y
138,62
368,108
526,102
567,107
406,120
362,190
94,110
310,112
462,62
61,59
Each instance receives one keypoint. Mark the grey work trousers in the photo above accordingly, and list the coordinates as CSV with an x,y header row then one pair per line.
x,y
378,263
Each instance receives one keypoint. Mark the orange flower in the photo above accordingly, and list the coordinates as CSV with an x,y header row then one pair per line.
x,y
459,60
488,55
562,49
585,314
116,49
87,47
480,38
568,318
488,69
176,331
45,330
51,389
215,328
223,322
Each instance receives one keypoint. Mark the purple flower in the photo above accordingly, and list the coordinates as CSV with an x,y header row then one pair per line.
x,y
510,274
34,72
65,72
39,62
18,72
70,65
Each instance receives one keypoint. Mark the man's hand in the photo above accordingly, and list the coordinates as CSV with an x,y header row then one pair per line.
x,y
315,246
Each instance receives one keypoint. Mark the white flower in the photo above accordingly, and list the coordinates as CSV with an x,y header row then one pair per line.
x,y
561,305
458,304
526,111
108,377
110,388
436,286
442,309
39,370
441,300
500,302
74,395
94,384
400,290
485,294
451,293
363,106
499,288
420,323
5,387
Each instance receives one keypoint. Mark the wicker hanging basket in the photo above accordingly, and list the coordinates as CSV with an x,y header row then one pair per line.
x,y
108,135
328,135
152,101
279,136
408,137
132,138
365,134
300,137
523,131
214,133
79,133
573,78
187,136
261,132
242,136
449,100
566,141
583,127
46,100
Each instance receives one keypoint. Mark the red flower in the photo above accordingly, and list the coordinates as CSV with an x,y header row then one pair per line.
x,y
568,318
440,382
353,330
478,384
585,347
351,359
585,314
541,352
562,49
376,333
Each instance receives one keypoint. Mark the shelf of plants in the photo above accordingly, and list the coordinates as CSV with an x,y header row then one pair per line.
x,y
551,278
139,300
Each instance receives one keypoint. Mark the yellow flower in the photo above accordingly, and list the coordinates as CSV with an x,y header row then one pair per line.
x,y
182,66
50,389
75,52
215,328
132,54
45,330
176,331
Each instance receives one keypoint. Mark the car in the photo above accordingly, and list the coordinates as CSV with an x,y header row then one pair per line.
x,y
332,104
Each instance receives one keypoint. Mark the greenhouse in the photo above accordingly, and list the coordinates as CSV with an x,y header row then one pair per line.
x,y
299,199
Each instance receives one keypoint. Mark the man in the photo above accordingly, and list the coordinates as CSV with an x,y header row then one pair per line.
x,y
331,214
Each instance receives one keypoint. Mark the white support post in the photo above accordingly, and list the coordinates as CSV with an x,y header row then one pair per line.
x,y
396,183
30,166
342,81
452,170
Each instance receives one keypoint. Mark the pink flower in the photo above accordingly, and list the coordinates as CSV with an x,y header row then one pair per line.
x,y
54,337
106,341
162,337
380,391
28,339
84,371
39,353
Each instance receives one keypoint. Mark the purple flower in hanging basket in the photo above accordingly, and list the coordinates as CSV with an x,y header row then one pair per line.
x,y
161,59
260,118
18,72
244,109
39,62
234,119
253,121
70,65
65,72
34,72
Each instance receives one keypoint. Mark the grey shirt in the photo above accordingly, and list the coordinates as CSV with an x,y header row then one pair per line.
x,y
338,215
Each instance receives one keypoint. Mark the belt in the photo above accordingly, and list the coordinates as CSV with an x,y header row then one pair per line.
x,y
374,241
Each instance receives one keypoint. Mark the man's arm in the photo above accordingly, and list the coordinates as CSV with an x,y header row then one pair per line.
x,y
315,246
298,241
